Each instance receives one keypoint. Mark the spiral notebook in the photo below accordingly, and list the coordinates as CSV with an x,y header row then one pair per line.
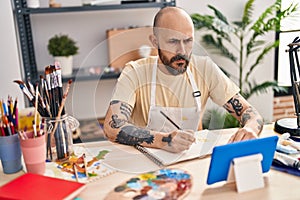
x,y
205,141
142,159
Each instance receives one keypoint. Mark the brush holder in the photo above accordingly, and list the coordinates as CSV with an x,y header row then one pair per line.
x,y
59,143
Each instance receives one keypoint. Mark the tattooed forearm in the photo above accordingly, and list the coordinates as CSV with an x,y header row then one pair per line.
x,y
234,106
132,135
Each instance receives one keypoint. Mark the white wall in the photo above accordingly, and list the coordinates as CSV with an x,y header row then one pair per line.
x,y
89,30
233,9
9,60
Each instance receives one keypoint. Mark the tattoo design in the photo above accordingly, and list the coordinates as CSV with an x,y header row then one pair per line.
x,y
114,102
260,124
125,110
236,105
167,139
116,122
246,116
132,135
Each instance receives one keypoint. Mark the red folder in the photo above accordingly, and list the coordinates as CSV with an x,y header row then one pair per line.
x,y
34,186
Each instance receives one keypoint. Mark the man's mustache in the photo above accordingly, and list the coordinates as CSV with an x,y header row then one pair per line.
x,y
179,57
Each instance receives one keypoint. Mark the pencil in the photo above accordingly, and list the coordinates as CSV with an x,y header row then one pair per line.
x,y
85,165
35,110
75,172
170,120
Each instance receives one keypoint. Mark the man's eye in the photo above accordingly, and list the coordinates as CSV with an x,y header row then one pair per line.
x,y
188,41
173,41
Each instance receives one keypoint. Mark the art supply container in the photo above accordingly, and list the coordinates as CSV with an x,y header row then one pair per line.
x,y
59,142
10,154
34,153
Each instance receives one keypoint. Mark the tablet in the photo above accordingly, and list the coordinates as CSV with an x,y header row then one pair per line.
x,y
223,155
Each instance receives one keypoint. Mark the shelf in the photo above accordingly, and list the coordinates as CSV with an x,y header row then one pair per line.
x,y
26,11
23,22
84,75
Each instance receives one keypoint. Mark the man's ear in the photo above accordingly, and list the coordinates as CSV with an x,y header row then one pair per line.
x,y
153,40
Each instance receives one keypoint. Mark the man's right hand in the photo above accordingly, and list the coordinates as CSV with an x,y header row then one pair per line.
x,y
178,141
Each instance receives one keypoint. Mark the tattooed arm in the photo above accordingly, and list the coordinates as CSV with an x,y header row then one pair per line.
x,y
249,118
117,128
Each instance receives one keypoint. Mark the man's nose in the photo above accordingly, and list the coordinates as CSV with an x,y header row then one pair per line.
x,y
181,48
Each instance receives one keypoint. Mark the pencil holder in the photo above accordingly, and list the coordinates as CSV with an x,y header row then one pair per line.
x,y
59,143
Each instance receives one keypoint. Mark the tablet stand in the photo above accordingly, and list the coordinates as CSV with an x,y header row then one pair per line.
x,y
247,172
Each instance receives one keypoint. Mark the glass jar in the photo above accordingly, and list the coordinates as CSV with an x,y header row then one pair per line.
x,y
59,142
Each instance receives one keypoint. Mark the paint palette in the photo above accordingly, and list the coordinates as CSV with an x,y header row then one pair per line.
x,y
161,184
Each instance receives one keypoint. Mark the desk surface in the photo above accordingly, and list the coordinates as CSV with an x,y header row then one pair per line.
x,y
278,185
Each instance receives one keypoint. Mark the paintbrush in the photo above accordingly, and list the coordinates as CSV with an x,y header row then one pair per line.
x,y
59,115
25,89
31,97
59,81
47,97
85,165
48,72
30,87
51,102
62,104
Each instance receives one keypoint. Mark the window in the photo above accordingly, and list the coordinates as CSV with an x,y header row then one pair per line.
x,y
290,29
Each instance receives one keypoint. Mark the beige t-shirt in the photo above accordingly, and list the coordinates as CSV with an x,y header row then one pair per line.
x,y
134,86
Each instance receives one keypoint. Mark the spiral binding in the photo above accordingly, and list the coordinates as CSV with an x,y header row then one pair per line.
x,y
149,155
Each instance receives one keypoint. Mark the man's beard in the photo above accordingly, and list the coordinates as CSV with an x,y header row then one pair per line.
x,y
181,67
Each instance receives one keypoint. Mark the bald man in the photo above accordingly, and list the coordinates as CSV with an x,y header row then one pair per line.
x,y
158,101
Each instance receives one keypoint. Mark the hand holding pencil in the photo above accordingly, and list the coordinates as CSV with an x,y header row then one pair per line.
x,y
178,140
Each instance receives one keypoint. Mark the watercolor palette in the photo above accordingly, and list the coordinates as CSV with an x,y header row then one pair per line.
x,y
160,184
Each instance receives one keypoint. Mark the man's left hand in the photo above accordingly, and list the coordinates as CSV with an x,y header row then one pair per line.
x,y
243,134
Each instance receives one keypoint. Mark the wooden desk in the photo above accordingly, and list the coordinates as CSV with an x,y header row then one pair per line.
x,y
278,185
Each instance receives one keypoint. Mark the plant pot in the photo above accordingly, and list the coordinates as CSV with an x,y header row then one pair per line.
x,y
66,64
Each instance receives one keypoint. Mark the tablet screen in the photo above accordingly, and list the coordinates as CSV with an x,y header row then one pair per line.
x,y
223,155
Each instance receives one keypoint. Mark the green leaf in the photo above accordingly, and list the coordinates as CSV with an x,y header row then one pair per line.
x,y
254,44
218,14
263,88
260,58
219,27
246,19
230,121
62,45
202,21
218,46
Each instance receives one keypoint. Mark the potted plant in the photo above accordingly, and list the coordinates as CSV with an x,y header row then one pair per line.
x,y
243,44
62,48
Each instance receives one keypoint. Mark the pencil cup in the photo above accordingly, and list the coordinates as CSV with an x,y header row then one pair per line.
x,y
59,137
10,154
34,153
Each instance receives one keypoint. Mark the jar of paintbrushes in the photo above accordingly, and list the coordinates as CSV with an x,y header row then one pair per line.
x,y
48,97
59,136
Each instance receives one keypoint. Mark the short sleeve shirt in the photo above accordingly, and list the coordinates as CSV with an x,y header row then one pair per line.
x,y
134,86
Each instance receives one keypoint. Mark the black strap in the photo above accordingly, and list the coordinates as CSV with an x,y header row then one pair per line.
x,y
196,94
